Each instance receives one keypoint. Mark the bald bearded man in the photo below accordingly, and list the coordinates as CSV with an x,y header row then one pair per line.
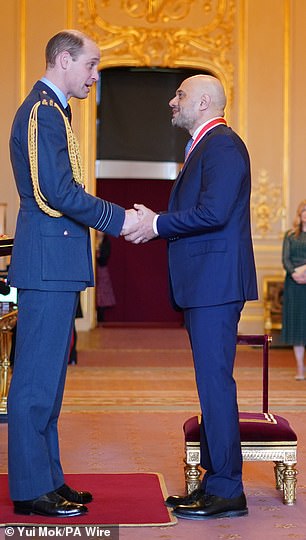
x,y
212,274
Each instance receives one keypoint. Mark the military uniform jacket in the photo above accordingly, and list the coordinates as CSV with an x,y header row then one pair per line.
x,y
53,253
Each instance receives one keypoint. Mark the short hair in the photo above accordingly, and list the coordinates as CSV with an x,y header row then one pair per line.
x,y
66,40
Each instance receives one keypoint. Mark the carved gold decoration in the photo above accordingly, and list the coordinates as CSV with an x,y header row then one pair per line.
x,y
283,454
273,289
192,467
266,205
7,323
279,469
289,485
163,33
154,10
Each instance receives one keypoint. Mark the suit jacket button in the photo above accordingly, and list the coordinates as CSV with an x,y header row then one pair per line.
x,y
66,233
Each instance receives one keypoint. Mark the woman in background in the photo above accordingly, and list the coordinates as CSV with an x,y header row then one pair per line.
x,y
294,305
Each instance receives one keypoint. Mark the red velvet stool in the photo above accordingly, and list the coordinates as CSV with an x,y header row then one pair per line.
x,y
264,437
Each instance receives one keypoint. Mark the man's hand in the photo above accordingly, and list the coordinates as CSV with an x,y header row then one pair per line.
x,y
130,221
299,277
143,231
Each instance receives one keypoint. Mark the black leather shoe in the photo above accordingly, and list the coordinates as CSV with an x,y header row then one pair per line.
x,y
51,504
71,495
176,500
211,506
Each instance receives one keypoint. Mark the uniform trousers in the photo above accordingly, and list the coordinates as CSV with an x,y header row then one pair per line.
x,y
44,327
213,335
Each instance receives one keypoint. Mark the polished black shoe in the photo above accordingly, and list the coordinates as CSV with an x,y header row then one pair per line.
x,y
175,500
71,495
51,504
211,506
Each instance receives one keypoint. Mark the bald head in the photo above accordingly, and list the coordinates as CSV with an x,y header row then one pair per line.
x,y
198,99
210,88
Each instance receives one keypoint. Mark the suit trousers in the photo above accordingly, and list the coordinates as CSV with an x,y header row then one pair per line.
x,y
213,334
44,326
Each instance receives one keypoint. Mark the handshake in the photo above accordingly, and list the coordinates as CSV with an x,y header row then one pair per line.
x,y
138,224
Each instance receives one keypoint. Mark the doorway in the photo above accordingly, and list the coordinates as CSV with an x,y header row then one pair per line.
x,y
139,155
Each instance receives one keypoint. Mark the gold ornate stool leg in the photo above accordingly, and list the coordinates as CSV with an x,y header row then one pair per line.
x,y
289,483
5,347
192,467
279,469
7,322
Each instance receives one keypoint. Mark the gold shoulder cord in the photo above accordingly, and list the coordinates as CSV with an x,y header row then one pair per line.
x,y
73,151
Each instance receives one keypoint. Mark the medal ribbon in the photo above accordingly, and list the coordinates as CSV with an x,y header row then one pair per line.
x,y
213,123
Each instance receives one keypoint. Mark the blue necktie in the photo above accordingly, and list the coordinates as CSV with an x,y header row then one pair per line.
x,y
188,146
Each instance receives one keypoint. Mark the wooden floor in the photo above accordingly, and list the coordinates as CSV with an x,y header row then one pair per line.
x,y
124,406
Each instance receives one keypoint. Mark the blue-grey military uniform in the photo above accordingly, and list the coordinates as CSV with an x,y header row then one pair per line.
x,y
51,262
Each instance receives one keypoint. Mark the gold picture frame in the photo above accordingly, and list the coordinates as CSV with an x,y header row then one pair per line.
x,y
273,289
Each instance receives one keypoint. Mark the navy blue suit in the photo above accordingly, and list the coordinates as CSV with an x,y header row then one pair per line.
x,y
51,262
212,274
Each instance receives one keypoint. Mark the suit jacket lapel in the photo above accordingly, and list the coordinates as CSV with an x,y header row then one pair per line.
x,y
179,179
183,170
174,189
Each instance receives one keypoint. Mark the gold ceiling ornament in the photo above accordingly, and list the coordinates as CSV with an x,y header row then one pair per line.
x,y
158,10
163,33
266,206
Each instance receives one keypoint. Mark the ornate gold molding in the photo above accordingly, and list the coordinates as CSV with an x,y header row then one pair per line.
x,y
163,33
266,207
158,10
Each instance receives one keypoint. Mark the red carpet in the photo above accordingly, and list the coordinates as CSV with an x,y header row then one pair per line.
x,y
119,499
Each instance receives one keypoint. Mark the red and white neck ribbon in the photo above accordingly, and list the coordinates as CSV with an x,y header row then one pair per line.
x,y
210,125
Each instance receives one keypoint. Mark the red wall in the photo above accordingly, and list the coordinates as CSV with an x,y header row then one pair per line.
x,y
139,272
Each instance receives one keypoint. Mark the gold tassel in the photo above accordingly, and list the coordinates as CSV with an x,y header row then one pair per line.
x,y
73,151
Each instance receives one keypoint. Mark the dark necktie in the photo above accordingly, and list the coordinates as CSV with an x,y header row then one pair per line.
x,y
68,113
188,146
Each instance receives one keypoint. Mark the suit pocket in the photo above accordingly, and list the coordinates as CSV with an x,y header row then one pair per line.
x,y
207,246
65,253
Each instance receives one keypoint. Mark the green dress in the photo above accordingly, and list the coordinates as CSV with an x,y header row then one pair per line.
x,y
294,301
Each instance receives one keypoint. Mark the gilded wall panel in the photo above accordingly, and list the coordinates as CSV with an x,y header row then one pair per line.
x,y
267,208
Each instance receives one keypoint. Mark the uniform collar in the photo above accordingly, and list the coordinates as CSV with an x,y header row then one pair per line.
x,y
61,96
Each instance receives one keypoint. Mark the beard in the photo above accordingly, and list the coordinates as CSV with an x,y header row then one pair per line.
x,y
183,120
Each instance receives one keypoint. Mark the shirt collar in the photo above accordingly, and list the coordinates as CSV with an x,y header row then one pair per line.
x,y
61,96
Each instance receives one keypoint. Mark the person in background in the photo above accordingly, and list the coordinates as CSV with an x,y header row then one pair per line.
x,y
105,297
212,274
51,263
294,298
